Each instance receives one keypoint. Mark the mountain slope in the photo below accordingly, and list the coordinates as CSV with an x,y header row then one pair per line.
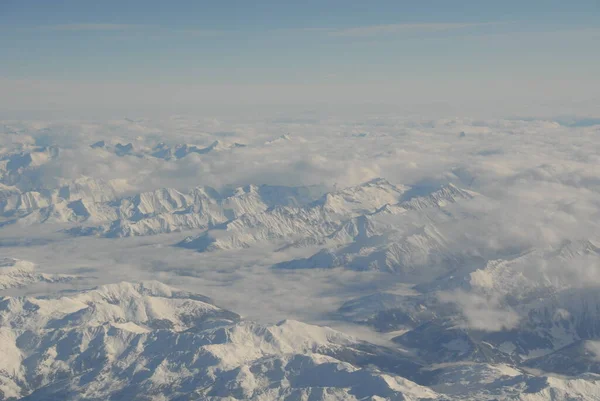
x,y
167,210
300,225
144,341
147,341
19,273
404,238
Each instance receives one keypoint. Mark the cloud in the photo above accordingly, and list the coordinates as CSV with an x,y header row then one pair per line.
x,y
594,348
76,98
91,27
395,29
481,312
200,32
538,179
349,32
128,28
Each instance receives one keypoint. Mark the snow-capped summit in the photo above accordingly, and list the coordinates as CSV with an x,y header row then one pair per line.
x,y
362,198
131,341
87,188
168,210
59,205
279,139
142,306
20,273
419,255
309,224
148,341
446,195
538,272
179,151
12,266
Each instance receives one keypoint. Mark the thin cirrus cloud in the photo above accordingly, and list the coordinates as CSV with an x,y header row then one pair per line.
x,y
392,29
123,28
91,27
356,31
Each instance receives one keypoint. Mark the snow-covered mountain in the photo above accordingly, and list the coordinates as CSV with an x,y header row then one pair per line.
x,y
163,150
536,273
15,165
551,322
168,210
301,225
179,151
461,295
148,341
441,342
576,358
403,238
444,196
249,215
95,205
361,199
38,206
407,255
388,312
19,273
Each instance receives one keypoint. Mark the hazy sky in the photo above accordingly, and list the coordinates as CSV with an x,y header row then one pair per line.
x,y
141,54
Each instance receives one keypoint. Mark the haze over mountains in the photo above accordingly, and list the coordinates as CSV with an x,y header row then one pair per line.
x,y
371,258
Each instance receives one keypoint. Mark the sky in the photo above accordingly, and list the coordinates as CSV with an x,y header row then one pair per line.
x,y
75,55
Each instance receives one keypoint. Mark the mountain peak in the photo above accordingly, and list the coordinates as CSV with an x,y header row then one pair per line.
x,y
444,196
16,273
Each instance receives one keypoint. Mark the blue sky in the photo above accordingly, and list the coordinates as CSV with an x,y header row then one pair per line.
x,y
432,47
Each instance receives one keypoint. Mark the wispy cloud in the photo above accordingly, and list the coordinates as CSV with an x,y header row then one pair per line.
x,y
349,32
108,27
392,29
201,32
91,27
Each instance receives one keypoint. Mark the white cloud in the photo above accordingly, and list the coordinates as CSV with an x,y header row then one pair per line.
x,y
538,179
485,313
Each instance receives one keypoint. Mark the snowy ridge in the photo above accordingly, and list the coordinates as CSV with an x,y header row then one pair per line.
x,y
418,254
446,195
478,381
127,337
38,206
282,138
252,213
464,295
440,342
387,312
142,306
148,341
574,359
363,198
163,150
14,164
19,273
179,151
515,278
273,225
302,226
168,210
360,228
